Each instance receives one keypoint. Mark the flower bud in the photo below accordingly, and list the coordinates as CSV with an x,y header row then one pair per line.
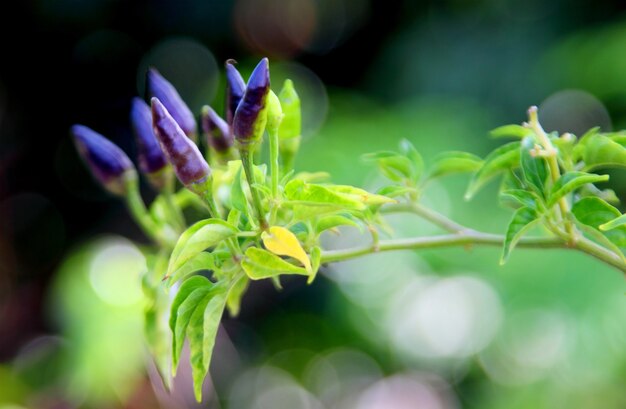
x,y
189,165
291,126
159,87
251,114
235,88
274,113
216,130
107,162
152,161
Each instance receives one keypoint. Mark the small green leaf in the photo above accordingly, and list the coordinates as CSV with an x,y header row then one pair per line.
x,y
199,262
259,264
202,331
598,151
189,295
309,200
517,198
202,235
395,191
316,258
510,131
613,224
571,181
523,219
360,195
233,302
393,165
595,212
237,196
504,158
332,221
448,163
596,235
534,168
417,163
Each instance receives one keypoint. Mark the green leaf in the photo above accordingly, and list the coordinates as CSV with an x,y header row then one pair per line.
x,y
395,191
309,200
448,163
189,295
237,196
596,235
595,212
199,262
517,198
571,181
417,163
332,221
259,264
534,168
233,302
393,165
197,238
510,131
504,158
523,219
202,331
360,195
316,259
601,152
613,224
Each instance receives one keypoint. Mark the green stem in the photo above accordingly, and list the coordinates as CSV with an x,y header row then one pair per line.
x,y
174,211
553,166
248,167
446,240
275,172
428,214
140,214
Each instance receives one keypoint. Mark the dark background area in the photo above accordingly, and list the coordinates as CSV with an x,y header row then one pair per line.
x,y
48,201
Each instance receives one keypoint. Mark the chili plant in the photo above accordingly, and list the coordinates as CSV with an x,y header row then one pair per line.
x,y
222,219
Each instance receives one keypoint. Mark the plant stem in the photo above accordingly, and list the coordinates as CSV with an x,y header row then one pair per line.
x,y
446,240
140,214
248,167
275,172
553,165
432,216
174,211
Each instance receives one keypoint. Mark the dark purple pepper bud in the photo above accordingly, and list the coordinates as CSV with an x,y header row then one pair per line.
x,y
189,165
216,129
149,154
158,87
107,162
251,114
235,88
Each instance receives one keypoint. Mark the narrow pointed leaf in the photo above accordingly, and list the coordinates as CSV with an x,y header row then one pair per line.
x,y
571,181
510,131
448,163
332,221
534,168
523,219
199,262
233,302
517,198
595,212
202,235
503,158
259,264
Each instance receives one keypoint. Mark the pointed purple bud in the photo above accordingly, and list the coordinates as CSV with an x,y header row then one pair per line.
x,y
235,88
189,165
107,162
251,114
149,154
216,130
158,87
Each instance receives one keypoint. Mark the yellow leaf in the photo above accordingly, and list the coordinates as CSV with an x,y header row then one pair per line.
x,y
282,242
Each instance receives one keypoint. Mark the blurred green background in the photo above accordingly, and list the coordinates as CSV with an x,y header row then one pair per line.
x,y
436,329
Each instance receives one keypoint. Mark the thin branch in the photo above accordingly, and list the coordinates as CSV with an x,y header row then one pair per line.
x,y
445,240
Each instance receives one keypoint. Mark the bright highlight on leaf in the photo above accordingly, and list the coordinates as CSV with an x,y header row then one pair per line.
x,y
282,242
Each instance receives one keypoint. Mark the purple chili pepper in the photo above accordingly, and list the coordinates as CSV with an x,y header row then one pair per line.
x,y
189,165
235,88
216,129
251,114
149,154
107,162
157,86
